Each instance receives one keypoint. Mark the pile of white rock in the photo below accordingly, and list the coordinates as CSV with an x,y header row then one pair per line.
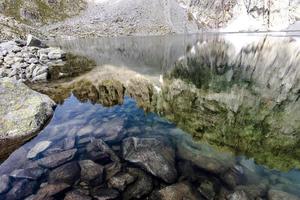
x,y
29,61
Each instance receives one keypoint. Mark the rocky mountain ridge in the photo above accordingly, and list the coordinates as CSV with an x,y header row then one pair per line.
x,y
96,18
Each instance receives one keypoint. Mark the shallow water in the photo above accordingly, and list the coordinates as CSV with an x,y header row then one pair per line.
x,y
230,98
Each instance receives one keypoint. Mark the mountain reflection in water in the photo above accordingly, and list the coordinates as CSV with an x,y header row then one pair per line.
x,y
113,124
239,92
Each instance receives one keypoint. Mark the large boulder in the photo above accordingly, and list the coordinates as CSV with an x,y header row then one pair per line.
x,y
154,155
23,112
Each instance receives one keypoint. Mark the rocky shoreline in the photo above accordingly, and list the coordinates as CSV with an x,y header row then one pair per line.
x,y
23,111
29,61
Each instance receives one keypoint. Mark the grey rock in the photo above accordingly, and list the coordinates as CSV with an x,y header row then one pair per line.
x,y
91,173
120,181
33,61
69,143
21,117
234,176
16,49
177,191
50,190
100,145
154,155
208,160
55,54
29,173
52,151
206,188
43,57
5,184
111,131
40,77
38,148
254,191
68,173
112,169
33,41
57,159
76,195
238,195
105,194
21,189
279,195
39,70
142,186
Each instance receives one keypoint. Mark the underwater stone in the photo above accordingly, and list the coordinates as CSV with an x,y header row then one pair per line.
x,y
177,191
67,173
238,195
69,143
106,194
57,159
142,186
76,195
154,155
30,173
38,148
91,172
50,190
120,181
21,189
280,195
5,183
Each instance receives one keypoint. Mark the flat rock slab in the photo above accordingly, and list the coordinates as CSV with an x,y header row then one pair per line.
x,y
152,154
67,173
38,148
57,159
22,111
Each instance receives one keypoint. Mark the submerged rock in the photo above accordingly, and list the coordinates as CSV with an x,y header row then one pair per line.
x,y
67,173
5,183
91,172
121,180
279,195
21,189
57,159
106,194
238,195
141,187
50,190
76,195
154,155
38,148
204,158
178,191
30,173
